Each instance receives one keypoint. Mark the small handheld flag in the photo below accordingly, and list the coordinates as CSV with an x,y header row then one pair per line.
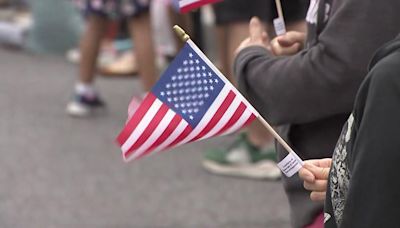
x,y
188,5
191,101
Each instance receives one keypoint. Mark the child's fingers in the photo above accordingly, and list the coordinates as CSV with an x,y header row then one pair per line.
x,y
317,185
306,175
325,162
291,38
317,196
321,173
284,41
256,29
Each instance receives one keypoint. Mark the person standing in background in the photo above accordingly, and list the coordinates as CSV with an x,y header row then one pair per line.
x,y
252,153
97,12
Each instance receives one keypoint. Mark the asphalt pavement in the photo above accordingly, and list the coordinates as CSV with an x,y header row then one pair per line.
x,y
57,171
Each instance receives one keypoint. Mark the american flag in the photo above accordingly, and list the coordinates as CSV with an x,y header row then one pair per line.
x,y
191,101
188,5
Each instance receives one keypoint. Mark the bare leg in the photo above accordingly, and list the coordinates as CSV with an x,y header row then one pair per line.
x,y
184,21
222,46
236,33
242,159
140,29
89,48
87,101
256,133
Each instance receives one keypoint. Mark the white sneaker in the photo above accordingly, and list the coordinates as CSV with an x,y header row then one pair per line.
x,y
82,106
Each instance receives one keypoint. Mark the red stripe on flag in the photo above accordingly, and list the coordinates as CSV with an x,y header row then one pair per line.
x,y
218,115
181,137
135,119
235,117
149,129
249,120
167,132
196,4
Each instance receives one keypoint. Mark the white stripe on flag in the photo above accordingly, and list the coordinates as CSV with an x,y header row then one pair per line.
x,y
208,115
144,122
183,3
156,133
174,135
239,124
225,118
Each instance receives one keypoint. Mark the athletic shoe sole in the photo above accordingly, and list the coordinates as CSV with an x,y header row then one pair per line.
x,y
76,110
263,170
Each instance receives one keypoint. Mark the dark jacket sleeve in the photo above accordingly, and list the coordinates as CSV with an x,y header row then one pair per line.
x,y
373,198
323,80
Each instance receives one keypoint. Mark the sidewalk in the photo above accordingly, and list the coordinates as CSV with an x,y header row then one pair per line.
x,y
56,171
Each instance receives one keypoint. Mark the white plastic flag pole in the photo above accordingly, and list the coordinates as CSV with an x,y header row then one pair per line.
x,y
279,8
291,163
279,23
278,137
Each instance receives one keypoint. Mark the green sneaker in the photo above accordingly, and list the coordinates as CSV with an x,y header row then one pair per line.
x,y
242,159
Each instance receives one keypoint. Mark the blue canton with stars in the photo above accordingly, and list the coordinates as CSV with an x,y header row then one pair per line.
x,y
189,86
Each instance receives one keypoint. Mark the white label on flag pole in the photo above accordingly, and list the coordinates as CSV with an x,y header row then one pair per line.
x,y
298,159
279,25
289,165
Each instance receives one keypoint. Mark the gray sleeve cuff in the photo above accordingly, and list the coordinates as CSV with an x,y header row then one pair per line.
x,y
240,65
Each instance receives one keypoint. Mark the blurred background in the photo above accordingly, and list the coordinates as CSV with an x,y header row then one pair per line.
x,y
58,171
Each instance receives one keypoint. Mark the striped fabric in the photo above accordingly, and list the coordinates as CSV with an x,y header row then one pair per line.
x,y
192,101
188,5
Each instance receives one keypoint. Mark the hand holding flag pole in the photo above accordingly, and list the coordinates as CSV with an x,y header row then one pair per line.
x,y
289,164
